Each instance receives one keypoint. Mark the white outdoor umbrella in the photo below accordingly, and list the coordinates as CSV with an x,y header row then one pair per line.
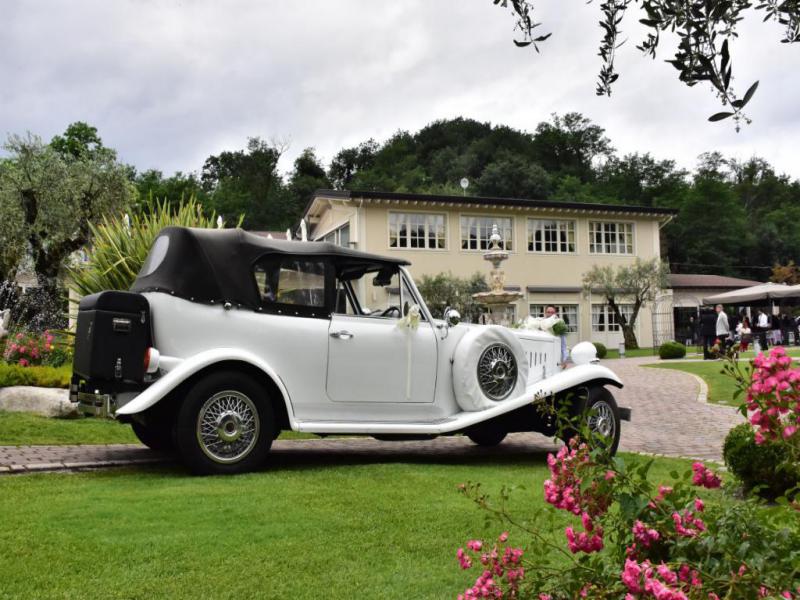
x,y
763,291
788,291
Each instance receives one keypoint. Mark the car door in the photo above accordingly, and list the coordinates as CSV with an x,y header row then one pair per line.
x,y
373,358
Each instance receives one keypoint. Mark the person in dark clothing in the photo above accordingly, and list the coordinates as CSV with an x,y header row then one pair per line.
x,y
691,331
708,331
786,327
775,327
796,329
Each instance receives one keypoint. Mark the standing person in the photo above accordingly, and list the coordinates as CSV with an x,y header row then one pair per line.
x,y
775,329
762,326
786,327
796,330
708,325
550,311
691,330
723,328
745,333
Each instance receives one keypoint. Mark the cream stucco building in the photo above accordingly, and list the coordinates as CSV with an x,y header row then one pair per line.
x,y
551,245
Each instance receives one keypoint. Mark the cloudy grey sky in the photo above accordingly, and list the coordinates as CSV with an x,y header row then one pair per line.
x,y
169,82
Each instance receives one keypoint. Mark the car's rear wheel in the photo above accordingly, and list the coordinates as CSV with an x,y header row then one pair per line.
x,y
487,436
155,436
225,425
595,410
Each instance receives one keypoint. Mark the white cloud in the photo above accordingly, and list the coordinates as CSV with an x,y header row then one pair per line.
x,y
168,83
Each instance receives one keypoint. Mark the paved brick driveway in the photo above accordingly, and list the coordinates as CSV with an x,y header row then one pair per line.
x,y
667,419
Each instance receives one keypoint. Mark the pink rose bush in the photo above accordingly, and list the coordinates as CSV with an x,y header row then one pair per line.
x,y
634,540
28,349
501,571
773,398
765,456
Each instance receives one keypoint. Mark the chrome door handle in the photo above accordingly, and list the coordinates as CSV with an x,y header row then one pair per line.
x,y
341,335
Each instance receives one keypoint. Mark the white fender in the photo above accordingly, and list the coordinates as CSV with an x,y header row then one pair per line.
x,y
569,378
468,392
188,367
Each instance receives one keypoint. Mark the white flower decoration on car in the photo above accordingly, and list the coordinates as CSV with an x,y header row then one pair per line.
x,y
411,319
552,324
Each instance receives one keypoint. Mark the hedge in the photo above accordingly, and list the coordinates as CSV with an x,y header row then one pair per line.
x,y
51,377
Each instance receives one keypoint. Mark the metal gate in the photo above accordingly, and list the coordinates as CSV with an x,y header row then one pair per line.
x,y
663,321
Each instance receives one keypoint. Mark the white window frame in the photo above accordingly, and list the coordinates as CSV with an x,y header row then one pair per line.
x,y
427,225
493,219
571,227
610,324
630,224
536,309
337,235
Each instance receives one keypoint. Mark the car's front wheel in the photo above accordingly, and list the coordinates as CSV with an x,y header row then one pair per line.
x,y
487,436
595,410
225,425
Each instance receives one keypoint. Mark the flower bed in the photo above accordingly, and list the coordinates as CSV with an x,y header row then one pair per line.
x,y
636,540
28,349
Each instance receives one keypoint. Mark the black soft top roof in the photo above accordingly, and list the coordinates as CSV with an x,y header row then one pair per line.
x,y
216,265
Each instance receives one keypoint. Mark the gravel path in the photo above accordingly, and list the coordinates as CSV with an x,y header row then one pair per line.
x,y
668,419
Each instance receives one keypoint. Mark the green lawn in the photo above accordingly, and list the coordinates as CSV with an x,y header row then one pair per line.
x,y
720,387
25,429
614,353
304,528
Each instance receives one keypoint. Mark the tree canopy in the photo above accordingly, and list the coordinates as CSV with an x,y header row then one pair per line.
x,y
49,193
637,284
704,30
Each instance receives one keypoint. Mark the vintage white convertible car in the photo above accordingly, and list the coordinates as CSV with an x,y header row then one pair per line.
x,y
226,338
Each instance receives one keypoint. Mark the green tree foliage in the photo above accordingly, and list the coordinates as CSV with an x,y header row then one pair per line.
x,y
152,185
703,29
637,284
567,145
349,162
50,193
642,180
511,176
307,176
445,289
247,182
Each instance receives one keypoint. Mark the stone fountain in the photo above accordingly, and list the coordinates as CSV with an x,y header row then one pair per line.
x,y
497,299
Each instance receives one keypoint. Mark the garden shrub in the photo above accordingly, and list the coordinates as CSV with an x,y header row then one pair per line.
x,y
52,377
28,349
601,349
758,467
632,539
670,350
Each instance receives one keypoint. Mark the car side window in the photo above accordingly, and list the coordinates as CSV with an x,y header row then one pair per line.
x,y
293,281
374,293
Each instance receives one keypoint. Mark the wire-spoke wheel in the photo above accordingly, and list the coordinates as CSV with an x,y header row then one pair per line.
x,y
595,408
601,419
497,371
225,424
228,426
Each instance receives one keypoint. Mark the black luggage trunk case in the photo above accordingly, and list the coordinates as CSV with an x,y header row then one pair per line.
x,y
112,336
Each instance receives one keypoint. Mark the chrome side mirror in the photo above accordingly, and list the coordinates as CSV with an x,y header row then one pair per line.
x,y
452,317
